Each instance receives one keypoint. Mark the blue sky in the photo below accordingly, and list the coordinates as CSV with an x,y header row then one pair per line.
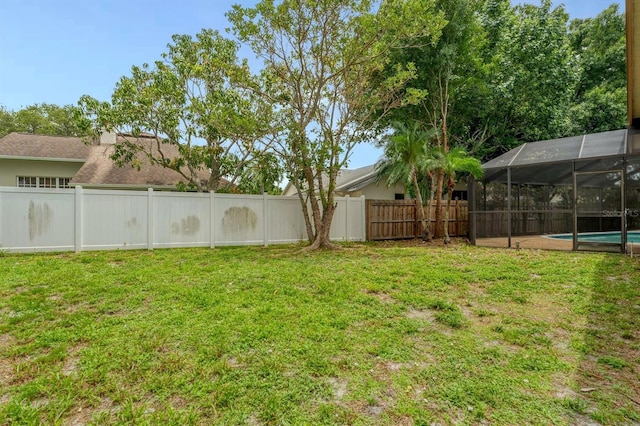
x,y
55,51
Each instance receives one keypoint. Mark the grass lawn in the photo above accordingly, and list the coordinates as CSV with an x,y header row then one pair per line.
x,y
371,334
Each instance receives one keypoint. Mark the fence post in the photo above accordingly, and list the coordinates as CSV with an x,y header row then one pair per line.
x,y
265,220
212,217
416,217
363,218
78,219
150,224
1,220
346,217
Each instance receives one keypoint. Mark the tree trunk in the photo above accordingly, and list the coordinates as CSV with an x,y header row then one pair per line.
x,y
447,240
438,216
429,216
305,213
322,238
420,205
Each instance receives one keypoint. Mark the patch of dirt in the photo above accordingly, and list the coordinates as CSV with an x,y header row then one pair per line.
x,y
70,365
561,387
253,420
6,377
339,388
177,402
40,402
71,361
7,373
420,315
80,416
234,363
6,341
382,297
584,420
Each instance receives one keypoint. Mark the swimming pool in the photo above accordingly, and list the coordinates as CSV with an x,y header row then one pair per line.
x,y
601,237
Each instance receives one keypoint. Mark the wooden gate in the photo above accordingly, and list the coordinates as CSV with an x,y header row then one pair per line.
x,y
395,220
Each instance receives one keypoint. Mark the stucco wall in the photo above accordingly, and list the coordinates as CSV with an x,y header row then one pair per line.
x,y
380,192
10,169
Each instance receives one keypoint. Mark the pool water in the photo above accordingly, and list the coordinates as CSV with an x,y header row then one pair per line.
x,y
601,237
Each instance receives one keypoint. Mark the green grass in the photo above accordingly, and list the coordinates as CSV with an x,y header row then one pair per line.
x,y
369,334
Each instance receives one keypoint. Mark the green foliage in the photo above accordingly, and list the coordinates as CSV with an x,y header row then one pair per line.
x,y
43,119
319,58
533,75
599,44
261,175
197,99
501,75
407,157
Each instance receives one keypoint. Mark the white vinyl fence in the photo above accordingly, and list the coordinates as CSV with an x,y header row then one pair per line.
x,y
79,219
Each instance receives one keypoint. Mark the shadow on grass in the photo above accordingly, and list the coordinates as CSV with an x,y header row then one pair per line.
x,y
608,375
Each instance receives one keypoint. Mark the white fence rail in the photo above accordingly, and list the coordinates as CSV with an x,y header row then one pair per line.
x,y
79,219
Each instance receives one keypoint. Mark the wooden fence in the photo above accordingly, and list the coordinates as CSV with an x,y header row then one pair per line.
x,y
394,220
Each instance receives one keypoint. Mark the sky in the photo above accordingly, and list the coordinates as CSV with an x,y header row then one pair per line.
x,y
55,51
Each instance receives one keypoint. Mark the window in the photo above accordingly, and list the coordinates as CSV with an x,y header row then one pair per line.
x,y
27,182
43,182
459,195
399,196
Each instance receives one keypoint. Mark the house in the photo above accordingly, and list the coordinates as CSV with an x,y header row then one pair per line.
x,y
42,161
362,181
359,182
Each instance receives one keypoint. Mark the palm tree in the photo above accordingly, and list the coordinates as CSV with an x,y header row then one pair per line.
x,y
431,166
407,156
455,161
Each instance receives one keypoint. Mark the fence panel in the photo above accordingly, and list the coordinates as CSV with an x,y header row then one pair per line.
x,y
114,220
238,219
48,219
40,219
391,219
181,219
388,219
285,219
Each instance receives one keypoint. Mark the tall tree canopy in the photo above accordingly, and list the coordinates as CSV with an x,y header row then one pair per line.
x,y
195,99
601,94
45,119
532,76
319,58
549,77
447,71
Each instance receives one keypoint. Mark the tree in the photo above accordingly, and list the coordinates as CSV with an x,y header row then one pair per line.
x,y
532,77
6,121
196,100
407,158
445,71
45,119
598,43
453,162
261,175
319,59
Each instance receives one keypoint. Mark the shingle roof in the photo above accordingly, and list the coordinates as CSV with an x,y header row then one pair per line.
x,y
355,179
99,169
348,180
43,146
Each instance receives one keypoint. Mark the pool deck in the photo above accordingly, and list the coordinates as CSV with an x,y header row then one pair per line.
x,y
536,242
